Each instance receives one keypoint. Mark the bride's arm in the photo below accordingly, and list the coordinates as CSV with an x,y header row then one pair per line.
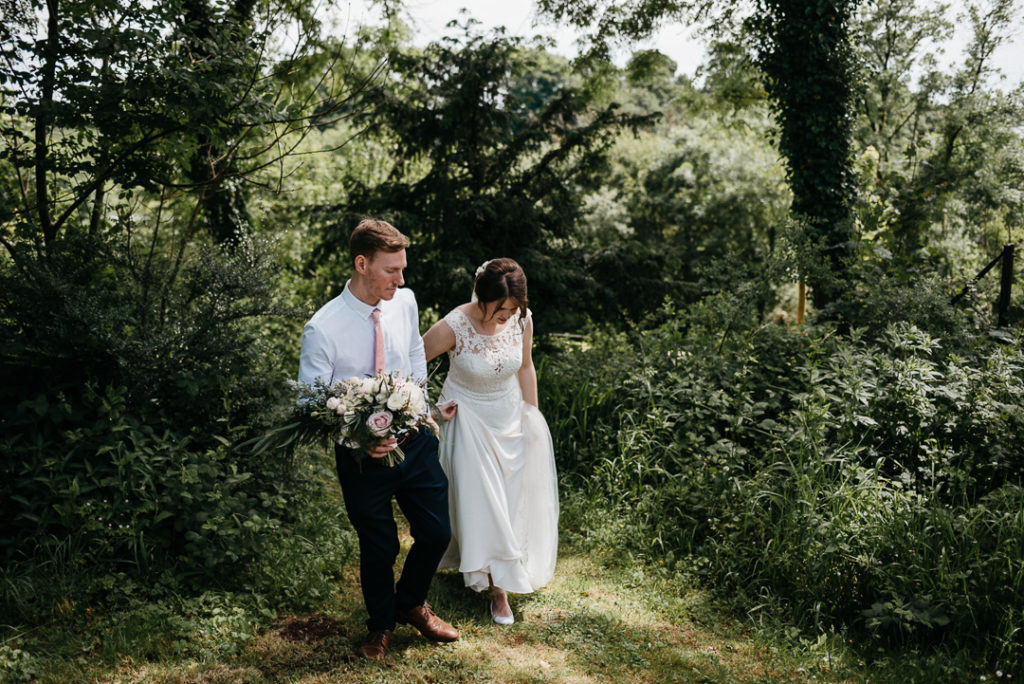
x,y
439,339
527,373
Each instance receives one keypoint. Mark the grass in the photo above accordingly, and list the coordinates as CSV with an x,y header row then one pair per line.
x,y
599,620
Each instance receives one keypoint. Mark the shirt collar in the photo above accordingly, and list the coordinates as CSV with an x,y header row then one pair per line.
x,y
358,305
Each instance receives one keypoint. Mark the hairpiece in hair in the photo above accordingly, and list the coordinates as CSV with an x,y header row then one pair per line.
x,y
479,271
481,268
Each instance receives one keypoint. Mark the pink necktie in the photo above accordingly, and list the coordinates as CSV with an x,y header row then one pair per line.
x,y
378,343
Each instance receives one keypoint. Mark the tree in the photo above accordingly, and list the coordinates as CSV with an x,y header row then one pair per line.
x,y
130,132
175,98
804,52
478,167
612,22
949,154
133,292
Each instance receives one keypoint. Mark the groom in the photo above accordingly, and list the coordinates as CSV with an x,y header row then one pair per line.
x,y
372,327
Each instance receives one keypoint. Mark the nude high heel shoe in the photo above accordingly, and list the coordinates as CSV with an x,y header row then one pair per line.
x,y
501,619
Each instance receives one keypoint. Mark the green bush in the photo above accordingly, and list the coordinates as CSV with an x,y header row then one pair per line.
x,y
121,412
867,481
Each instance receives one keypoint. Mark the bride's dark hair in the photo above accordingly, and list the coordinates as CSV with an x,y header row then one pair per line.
x,y
502,279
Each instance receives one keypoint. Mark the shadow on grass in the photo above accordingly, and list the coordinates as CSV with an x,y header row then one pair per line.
x,y
457,603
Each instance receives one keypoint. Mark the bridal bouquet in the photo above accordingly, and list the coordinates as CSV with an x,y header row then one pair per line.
x,y
359,413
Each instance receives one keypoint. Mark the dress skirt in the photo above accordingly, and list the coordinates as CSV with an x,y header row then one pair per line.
x,y
503,493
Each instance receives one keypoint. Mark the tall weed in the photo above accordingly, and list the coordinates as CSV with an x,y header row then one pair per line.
x,y
867,481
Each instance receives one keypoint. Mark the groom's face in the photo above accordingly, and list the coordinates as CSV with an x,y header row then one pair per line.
x,y
383,273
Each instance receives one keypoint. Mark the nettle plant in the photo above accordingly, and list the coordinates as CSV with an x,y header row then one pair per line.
x,y
861,481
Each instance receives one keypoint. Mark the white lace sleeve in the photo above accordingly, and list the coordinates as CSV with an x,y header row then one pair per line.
x,y
460,325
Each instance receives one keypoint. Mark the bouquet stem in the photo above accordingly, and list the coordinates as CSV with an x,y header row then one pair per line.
x,y
394,457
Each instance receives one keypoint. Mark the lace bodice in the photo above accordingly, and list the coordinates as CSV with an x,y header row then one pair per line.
x,y
485,364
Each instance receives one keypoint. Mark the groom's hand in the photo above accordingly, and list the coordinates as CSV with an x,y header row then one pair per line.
x,y
384,448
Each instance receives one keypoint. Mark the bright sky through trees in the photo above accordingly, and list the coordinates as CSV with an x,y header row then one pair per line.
x,y
429,18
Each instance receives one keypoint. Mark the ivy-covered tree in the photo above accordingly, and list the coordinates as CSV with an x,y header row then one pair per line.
x,y
805,52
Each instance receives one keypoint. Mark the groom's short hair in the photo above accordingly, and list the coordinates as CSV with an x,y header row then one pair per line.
x,y
372,236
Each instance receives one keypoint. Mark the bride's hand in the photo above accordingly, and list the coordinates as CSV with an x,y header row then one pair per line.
x,y
448,410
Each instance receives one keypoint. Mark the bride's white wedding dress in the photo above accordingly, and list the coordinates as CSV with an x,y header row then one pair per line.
x,y
498,455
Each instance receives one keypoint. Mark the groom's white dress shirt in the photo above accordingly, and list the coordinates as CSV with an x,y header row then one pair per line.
x,y
337,342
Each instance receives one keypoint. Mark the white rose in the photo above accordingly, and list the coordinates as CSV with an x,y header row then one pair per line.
x,y
417,401
333,403
397,401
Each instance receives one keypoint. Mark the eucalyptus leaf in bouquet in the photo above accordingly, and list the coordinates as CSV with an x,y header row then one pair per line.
x,y
359,413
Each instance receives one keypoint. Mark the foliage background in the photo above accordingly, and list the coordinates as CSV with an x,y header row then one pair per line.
x,y
177,186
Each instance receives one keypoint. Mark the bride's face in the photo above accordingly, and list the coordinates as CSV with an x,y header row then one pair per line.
x,y
501,311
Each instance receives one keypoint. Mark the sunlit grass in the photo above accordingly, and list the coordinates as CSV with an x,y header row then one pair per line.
x,y
599,620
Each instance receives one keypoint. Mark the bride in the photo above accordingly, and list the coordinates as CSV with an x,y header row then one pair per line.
x,y
496,450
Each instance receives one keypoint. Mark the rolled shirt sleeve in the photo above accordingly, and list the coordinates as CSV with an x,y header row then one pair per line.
x,y
417,354
315,361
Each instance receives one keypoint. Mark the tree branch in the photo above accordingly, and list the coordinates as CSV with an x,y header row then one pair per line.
x,y
44,116
105,174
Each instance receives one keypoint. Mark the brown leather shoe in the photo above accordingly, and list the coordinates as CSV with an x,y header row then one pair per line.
x,y
376,644
429,625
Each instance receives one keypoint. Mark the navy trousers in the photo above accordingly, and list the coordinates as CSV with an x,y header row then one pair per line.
x,y
420,487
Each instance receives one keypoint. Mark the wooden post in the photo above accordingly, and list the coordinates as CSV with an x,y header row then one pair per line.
x,y
801,301
1005,283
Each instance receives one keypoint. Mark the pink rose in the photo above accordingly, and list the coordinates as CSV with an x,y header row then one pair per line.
x,y
379,422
